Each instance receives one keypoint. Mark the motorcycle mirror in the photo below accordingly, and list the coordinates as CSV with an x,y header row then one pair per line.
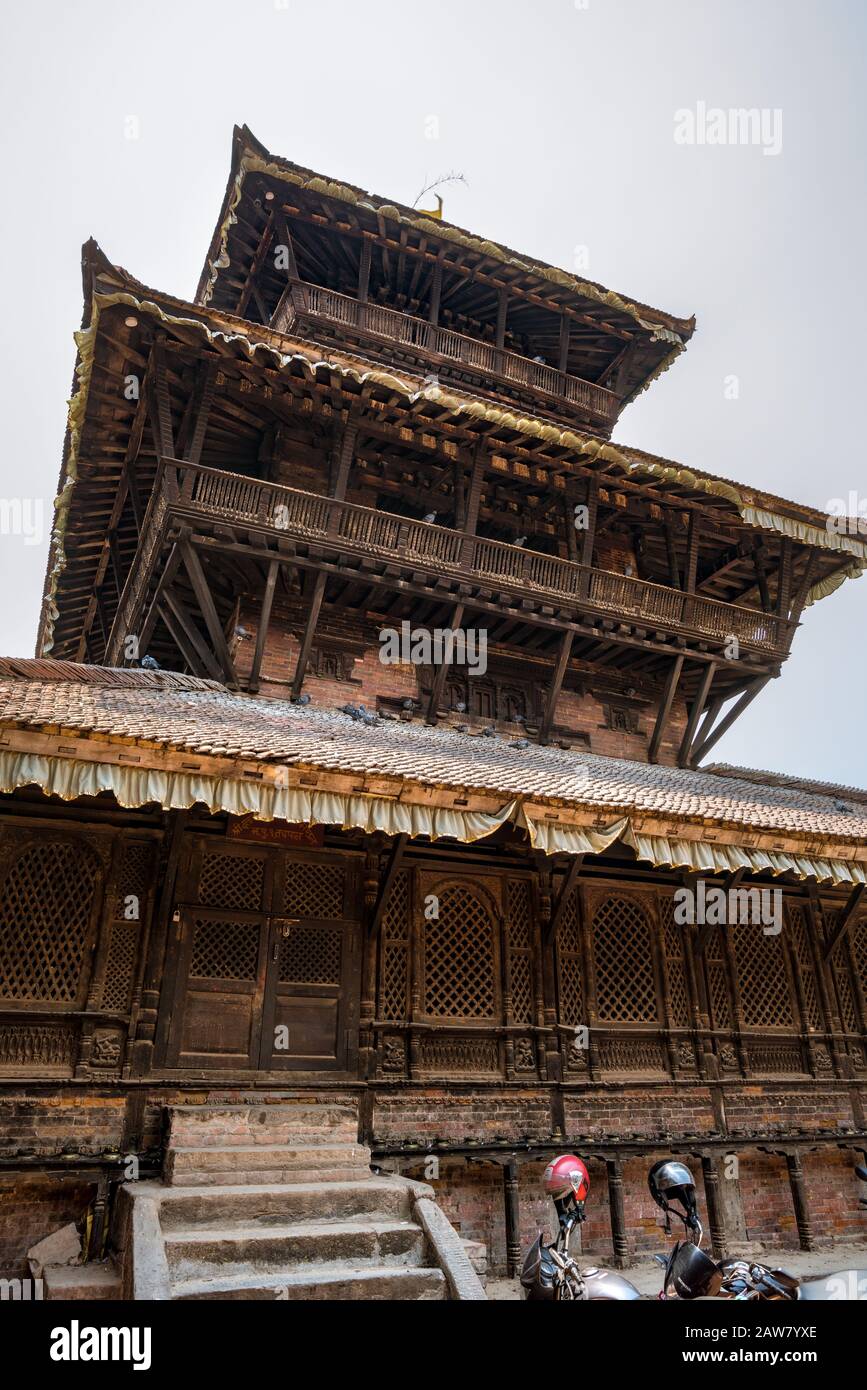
x,y
861,1172
661,1260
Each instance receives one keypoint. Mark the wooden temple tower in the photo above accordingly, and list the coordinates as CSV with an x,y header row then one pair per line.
x,y
242,853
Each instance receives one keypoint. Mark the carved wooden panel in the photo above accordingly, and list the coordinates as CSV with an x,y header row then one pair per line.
x,y
130,906
39,1046
570,969
231,880
312,889
466,1056
47,906
763,980
519,939
675,970
311,956
622,949
393,1000
718,988
804,959
224,950
459,957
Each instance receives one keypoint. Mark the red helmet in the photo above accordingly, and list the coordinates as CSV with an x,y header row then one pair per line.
x,y
567,1176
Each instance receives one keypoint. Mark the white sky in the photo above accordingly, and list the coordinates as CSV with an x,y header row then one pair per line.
x,y
561,116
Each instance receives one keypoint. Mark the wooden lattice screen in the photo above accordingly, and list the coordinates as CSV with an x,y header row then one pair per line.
x,y
519,936
234,881
393,1002
806,970
675,969
570,969
311,956
129,914
622,951
313,890
459,958
763,980
46,911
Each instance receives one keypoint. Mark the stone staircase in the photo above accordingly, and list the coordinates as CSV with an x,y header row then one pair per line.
x,y
277,1201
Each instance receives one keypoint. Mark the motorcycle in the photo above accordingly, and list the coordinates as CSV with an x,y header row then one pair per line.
x,y
549,1273
690,1273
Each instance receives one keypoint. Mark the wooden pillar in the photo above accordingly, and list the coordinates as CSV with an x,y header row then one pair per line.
x,y
442,670
695,713
472,505
715,1209
589,535
152,981
513,1217
691,564
618,1212
799,1200
565,336
436,295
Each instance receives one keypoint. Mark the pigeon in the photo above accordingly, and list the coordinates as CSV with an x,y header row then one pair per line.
x,y
522,540
409,704
460,707
150,663
430,518
490,732
521,743
302,700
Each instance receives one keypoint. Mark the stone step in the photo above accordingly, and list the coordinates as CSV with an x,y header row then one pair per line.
x,y
206,1126
85,1283
261,1204
206,1252
244,1162
321,1283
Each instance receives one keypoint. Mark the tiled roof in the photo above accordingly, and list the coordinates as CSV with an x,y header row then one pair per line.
x,y
202,717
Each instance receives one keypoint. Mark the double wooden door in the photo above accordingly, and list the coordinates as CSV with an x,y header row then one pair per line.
x,y
263,968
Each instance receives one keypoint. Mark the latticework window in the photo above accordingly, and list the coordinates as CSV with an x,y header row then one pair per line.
x,y
804,957
840,971
232,880
124,933
717,980
393,1003
672,942
625,985
570,969
311,956
859,953
519,938
46,907
224,950
459,958
763,981
313,890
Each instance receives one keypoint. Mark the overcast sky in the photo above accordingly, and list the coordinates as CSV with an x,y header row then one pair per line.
x,y
561,114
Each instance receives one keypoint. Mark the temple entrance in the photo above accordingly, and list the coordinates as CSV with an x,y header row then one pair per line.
x,y
264,963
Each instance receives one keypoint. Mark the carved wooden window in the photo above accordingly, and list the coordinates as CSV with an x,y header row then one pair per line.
x,y
717,976
313,890
623,956
763,980
675,969
519,937
393,962
224,950
311,956
570,968
459,958
859,954
804,959
841,974
46,912
233,881
129,913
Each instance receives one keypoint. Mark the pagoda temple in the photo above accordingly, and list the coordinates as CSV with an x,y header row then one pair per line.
x,y
365,759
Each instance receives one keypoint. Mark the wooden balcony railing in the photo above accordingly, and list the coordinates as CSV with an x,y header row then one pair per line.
x,y
364,531
306,301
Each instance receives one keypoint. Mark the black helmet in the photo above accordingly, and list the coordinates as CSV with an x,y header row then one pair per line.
x,y
670,1181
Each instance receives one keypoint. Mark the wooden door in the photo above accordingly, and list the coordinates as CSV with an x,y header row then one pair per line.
x,y
266,962
309,1015
219,957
